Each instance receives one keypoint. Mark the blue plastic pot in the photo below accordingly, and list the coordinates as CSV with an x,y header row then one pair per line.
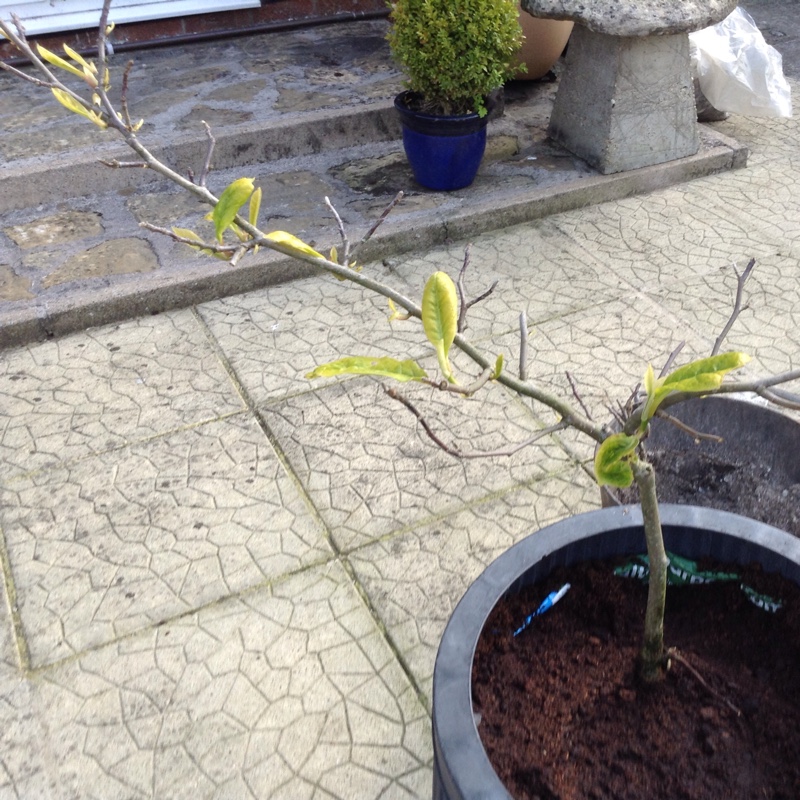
x,y
444,152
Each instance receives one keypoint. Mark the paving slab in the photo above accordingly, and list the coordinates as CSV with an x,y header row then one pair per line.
x,y
415,579
284,648
137,535
289,692
370,475
88,394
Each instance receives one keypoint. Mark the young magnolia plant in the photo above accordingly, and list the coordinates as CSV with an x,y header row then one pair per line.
x,y
620,460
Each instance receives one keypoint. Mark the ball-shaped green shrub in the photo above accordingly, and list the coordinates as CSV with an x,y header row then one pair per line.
x,y
455,52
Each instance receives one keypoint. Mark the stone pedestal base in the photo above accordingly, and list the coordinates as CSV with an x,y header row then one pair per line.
x,y
626,102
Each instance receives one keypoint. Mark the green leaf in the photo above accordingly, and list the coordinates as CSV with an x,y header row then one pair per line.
x,y
255,206
440,317
57,61
702,375
68,101
612,461
385,366
185,233
705,370
651,388
498,367
230,201
291,245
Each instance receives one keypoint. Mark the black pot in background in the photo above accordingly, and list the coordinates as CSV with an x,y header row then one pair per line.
x,y
444,152
751,432
461,768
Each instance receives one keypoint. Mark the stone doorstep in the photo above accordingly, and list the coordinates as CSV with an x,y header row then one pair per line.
x,y
34,181
144,289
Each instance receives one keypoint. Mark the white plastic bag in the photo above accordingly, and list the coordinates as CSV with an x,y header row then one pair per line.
x,y
738,71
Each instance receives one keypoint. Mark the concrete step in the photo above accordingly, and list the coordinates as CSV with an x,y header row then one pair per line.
x,y
308,114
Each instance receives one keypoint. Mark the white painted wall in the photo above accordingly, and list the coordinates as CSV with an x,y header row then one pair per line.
x,y
48,16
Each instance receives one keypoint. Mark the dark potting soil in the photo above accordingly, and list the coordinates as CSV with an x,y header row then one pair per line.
x,y
700,479
563,715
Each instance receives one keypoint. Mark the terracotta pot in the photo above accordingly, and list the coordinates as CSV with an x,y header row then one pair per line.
x,y
545,40
461,768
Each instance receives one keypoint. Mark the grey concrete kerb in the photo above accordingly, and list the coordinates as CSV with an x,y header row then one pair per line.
x,y
626,99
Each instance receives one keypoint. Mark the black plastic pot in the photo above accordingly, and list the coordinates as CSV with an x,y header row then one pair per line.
x,y
461,768
444,152
750,432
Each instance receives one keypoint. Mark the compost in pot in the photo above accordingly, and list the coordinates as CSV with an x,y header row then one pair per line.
x,y
563,715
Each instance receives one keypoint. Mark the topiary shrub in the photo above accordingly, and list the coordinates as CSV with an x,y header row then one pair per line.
x,y
455,52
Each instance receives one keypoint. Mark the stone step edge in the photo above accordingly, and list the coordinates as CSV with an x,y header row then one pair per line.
x,y
34,181
76,310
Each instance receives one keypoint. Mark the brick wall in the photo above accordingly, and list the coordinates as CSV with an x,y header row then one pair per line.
x,y
273,14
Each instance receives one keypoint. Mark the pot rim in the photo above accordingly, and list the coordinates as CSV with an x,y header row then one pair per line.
x,y
457,745
403,109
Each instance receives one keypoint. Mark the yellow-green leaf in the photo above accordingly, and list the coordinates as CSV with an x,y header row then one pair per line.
x,y
255,206
57,61
440,317
717,366
702,375
185,233
68,101
396,313
498,367
90,78
651,386
80,59
385,367
241,234
230,201
200,246
612,460
291,245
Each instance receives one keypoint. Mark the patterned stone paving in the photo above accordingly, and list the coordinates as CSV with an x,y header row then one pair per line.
x,y
221,580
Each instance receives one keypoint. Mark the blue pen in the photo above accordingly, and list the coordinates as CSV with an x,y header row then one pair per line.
x,y
547,604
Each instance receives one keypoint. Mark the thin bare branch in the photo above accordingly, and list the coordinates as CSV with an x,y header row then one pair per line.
x,y
523,346
209,153
673,653
345,259
464,304
236,257
696,435
113,163
577,396
670,360
454,451
781,398
223,249
378,222
483,296
24,75
619,414
467,391
124,94
462,292
741,280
